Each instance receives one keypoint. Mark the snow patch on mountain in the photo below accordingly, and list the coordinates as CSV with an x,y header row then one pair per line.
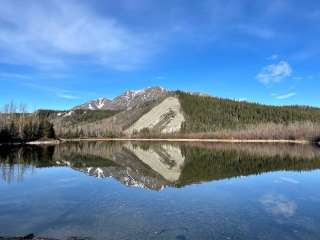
x,y
100,103
91,107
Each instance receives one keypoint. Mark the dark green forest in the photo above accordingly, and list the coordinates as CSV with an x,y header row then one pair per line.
x,y
204,113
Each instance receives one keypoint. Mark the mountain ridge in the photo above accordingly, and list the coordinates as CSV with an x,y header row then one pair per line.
x,y
156,112
128,99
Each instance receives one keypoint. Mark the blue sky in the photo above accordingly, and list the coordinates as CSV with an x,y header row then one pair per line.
x,y
57,54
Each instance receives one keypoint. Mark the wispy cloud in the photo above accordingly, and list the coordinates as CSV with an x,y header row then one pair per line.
x,y
67,96
289,180
274,73
9,76
58,34
55,33
285,96
61,93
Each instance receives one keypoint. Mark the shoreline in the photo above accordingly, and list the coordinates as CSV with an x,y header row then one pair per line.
x,y
302,141
47,142
204,140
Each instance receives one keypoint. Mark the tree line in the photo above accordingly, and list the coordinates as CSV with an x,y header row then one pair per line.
x,y
16,125
204,113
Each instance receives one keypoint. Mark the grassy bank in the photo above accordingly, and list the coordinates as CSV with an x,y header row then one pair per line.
x,y
298,131
203,140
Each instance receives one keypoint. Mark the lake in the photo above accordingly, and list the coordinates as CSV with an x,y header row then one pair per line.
x,y
111,190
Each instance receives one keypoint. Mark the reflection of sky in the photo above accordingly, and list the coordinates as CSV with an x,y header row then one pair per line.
x,y
15,173
278,204
60,202
287,179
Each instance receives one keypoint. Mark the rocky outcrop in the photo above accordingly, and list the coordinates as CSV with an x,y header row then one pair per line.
x,y
166,117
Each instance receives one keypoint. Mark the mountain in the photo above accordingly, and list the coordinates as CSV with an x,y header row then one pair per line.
x,y
156,112
126,100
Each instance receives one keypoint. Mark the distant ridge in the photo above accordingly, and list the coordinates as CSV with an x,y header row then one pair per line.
x,y
126,100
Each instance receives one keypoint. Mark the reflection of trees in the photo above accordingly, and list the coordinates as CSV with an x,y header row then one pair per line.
x,y
269,149
16,161
198,162
214,162
11,173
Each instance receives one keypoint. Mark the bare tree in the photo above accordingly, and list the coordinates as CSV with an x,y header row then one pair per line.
x,y
21,121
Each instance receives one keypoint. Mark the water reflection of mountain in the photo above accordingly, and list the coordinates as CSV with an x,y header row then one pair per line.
x,y
156,165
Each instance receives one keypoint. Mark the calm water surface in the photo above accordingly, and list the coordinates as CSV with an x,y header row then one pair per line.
x,y
161,191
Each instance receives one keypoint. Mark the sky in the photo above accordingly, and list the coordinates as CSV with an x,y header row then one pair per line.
x,y
57,54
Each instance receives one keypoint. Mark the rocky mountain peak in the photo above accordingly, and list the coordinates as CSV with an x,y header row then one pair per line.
x,y
127,99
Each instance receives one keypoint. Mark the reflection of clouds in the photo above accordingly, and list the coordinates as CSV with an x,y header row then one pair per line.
x,y
288,180
278,204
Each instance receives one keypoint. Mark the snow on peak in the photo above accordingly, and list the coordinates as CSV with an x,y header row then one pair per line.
x,y
100,103
128,99
91,107
141,91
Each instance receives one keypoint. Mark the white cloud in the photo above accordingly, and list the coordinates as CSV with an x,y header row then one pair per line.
x,y
278,205
275,73
59,34
285,96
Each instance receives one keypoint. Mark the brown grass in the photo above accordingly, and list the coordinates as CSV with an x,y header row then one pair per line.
x,y
269,131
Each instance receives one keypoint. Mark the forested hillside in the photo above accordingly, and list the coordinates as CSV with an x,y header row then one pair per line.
x,y
204,113
75,117
67,123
